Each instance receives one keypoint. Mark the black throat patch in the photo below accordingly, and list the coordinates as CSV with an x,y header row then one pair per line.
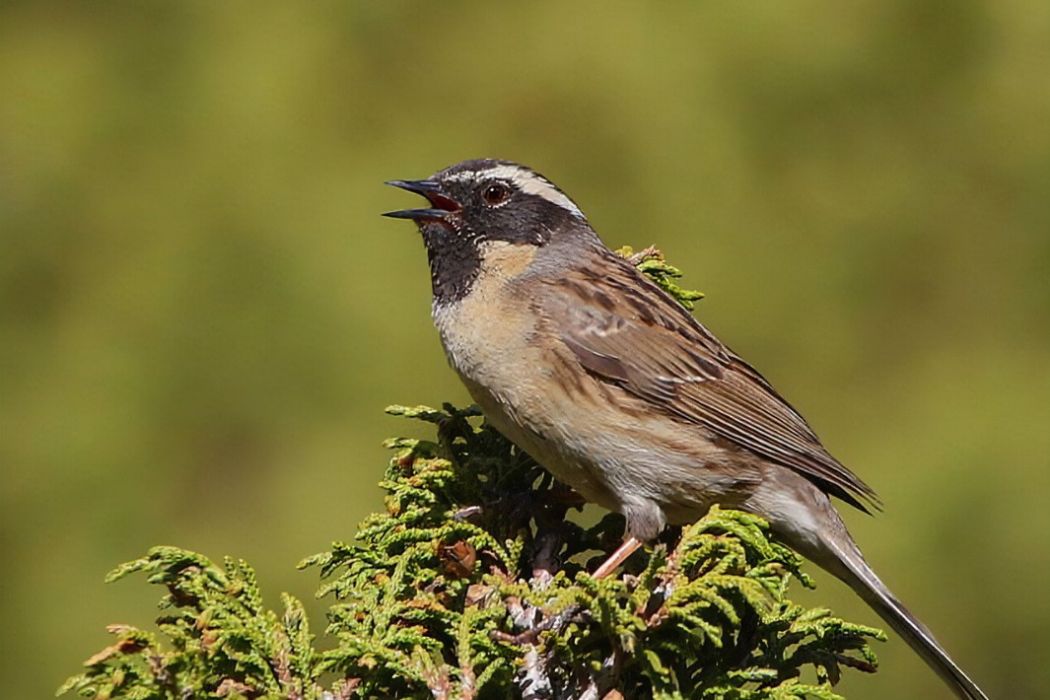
x,y
455,262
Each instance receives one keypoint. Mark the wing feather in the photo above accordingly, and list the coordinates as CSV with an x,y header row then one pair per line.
x,y
625,330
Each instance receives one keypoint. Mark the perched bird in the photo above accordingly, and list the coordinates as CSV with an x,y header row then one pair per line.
x,y
621,393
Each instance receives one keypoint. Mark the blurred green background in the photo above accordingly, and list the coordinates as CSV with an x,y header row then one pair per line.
x,y
203,314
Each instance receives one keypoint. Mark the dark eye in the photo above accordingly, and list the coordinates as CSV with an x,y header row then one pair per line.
x,y
495,194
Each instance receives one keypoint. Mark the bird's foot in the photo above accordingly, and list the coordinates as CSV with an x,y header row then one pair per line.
x,y
629,547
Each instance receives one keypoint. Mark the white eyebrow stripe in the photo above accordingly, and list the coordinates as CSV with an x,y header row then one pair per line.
x,y
526,181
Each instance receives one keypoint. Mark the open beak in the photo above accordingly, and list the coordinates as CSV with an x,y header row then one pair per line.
x,y
441,205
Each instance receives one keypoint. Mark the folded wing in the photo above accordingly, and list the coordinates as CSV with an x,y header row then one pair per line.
x,y
625,330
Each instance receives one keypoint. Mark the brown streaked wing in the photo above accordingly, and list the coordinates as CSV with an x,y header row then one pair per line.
x,y
625,330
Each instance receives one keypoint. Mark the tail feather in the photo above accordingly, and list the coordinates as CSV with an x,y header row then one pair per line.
x,y
860,577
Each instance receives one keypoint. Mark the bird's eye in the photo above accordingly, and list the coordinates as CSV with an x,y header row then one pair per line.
x,y
495,194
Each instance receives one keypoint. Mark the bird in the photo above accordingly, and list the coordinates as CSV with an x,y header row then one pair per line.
x,y
620,392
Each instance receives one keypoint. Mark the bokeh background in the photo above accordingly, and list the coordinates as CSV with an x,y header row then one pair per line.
x,y
203,315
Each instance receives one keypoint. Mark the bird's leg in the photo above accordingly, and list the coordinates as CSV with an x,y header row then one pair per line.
x,y
629,547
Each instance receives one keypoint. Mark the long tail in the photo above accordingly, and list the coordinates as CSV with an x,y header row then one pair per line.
x,y
860,577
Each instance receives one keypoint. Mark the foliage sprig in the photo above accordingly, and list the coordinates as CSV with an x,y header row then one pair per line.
x,y
473,583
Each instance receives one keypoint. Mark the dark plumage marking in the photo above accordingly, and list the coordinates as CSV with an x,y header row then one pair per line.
x,y
600,364
455,262
604,300
707,365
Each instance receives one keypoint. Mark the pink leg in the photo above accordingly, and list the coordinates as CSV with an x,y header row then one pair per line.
x,y
629,547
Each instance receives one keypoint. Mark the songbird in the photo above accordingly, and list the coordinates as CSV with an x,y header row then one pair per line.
x,y
618,391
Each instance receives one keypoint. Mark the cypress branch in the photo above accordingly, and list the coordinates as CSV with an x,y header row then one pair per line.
x,y
473,583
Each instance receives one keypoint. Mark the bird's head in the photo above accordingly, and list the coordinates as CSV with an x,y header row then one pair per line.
x,y
479,205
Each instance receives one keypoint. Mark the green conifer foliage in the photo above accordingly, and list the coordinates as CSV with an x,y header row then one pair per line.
x,y
473,583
